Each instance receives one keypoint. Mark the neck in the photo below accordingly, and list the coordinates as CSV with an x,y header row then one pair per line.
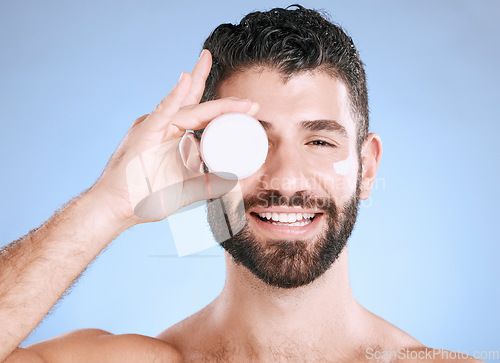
x,y
322,312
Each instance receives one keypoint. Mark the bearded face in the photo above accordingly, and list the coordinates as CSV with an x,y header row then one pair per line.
x,y
294,216
287,263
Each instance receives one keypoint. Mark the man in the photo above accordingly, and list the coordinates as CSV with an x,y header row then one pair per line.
x,y
287,295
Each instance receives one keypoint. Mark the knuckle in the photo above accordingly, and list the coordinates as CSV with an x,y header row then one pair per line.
x,y
187,108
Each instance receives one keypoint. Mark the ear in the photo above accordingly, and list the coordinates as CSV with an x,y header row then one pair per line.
x,y
190,152
371,152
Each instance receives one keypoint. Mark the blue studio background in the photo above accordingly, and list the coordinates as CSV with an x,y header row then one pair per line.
x,y
424,253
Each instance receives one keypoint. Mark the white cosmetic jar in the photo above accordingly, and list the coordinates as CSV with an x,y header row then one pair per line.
x,y
234,146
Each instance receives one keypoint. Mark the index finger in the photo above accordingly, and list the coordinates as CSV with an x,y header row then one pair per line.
x,y
199,76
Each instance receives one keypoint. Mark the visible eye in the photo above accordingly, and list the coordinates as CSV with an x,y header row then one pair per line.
x,y
321,143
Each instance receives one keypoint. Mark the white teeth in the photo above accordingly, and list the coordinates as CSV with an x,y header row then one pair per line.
x,y
303,223
287,218
283,217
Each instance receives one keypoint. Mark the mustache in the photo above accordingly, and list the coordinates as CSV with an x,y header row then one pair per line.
x,y
304,199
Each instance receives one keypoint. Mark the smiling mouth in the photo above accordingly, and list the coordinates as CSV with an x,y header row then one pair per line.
x,y
286,219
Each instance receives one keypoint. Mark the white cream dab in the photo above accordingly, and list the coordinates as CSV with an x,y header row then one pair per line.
x,y
344,167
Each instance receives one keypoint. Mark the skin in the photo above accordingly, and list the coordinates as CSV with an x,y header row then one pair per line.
x,y
298,323
249,320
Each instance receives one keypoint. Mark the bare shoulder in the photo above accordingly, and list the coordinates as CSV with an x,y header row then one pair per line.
x,y
395,345
94,345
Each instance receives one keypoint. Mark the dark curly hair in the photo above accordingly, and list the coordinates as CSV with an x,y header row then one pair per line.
x,y
290,40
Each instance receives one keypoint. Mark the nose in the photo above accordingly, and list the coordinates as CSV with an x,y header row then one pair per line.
x,y
284,170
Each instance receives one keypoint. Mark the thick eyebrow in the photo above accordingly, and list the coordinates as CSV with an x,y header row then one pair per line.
x,y
315,125
323,125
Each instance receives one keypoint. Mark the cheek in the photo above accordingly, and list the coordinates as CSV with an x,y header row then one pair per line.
x,y
346,166
338,186
339,178
334,176
346,172
248,185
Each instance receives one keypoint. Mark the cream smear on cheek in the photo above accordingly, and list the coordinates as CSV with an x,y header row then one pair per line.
x,y
346,166
346,171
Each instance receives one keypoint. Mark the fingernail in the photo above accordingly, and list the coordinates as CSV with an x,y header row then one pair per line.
x,y
253,109
181,76
202,52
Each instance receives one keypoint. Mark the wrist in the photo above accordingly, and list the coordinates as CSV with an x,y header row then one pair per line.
x,y
105,212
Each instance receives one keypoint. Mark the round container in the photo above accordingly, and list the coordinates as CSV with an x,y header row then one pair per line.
x,y
234,146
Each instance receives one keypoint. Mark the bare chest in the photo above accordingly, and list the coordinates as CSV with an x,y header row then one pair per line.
x,y
228,351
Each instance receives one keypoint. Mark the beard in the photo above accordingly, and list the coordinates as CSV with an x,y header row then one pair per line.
x,y
286,263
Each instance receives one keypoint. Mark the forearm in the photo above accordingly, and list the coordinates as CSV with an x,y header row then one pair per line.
x,y
37,269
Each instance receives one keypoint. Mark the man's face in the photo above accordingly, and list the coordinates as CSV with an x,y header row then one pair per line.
x,y
301,205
